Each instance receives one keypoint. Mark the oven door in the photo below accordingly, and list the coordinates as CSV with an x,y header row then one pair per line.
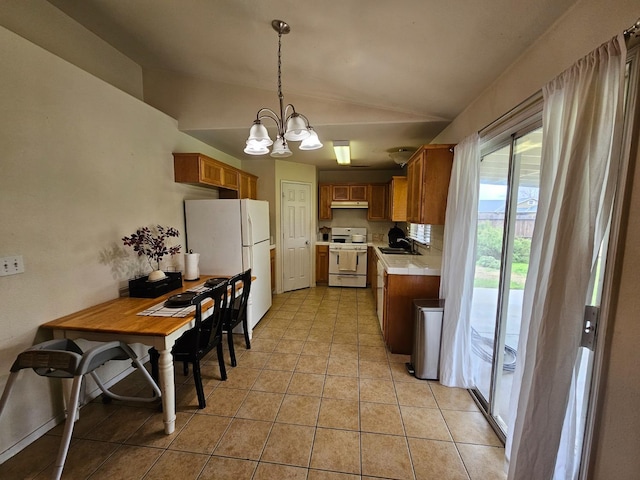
x,y
347,276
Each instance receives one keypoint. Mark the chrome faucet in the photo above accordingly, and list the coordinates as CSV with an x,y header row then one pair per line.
x,y
411,244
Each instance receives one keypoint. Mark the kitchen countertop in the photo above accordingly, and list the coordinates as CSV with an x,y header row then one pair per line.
x,y
429,263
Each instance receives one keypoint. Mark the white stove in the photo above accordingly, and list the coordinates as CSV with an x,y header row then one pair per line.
x,y
348,257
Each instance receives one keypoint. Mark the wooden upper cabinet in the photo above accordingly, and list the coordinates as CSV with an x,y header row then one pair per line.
x,y
230,178
414,188
344,193
340,193
198,169
428,175
378,195
248,186
324,202
211,172
358,193
398,199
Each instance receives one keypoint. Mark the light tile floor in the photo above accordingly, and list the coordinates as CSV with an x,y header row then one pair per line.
x,y
317,397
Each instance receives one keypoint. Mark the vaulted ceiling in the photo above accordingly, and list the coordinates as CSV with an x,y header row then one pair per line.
x,y
381,74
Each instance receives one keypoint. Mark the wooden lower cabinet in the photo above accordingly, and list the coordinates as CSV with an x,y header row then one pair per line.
x,y
322,264
372,264
399,293
272,262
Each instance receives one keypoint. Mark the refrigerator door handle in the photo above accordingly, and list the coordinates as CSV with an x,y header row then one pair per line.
x,y
250,232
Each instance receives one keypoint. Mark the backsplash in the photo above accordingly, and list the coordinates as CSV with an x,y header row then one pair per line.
x,y
356,218
376,231
437,238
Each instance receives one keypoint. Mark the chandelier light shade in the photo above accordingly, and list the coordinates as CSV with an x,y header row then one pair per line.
x,y
342,151
280,148
402,155
292,126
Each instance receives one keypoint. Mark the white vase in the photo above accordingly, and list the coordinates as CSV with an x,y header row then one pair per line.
x,y
156,275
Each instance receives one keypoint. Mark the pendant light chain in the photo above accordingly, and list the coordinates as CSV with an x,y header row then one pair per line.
x,y
280,95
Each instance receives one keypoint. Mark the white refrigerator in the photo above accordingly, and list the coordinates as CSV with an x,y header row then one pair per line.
x,y
232,236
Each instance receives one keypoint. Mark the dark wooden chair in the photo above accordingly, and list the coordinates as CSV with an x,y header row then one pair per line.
x,y
237,312
206,335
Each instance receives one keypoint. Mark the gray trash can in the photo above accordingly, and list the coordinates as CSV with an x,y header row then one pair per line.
x,y
427,334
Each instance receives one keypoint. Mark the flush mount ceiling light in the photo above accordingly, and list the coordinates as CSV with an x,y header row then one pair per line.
x,y
343,151
401,156
291,125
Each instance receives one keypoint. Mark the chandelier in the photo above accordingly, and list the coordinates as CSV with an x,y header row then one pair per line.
x,y
291,125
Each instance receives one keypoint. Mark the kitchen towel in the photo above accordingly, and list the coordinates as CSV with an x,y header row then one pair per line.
x,y
191,269
347,261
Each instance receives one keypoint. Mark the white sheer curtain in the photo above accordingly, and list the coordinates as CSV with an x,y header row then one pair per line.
x,y
582,114
458,264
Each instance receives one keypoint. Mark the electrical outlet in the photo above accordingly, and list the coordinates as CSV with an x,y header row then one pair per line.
x,y
11,265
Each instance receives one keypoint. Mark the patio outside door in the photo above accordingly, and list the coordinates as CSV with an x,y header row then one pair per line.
x,y
509,183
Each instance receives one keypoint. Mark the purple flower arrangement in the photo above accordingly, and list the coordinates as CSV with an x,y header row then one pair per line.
x,y
151,243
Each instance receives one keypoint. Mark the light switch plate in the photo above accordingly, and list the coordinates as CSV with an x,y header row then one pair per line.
x,y
11,265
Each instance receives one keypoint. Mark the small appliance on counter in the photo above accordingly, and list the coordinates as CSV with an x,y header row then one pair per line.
x,y
395,234
325,233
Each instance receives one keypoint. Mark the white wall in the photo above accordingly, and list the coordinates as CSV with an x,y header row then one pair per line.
x,y
586,25
82,165
42,24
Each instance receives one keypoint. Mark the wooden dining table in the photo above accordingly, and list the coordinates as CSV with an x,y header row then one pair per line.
x,y
119,319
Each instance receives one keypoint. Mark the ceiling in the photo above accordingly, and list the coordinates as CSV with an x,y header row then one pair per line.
x,y
383,75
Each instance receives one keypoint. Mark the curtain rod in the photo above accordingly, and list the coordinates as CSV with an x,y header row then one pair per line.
x,y
633,30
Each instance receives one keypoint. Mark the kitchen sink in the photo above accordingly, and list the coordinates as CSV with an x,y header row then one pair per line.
x,y
396,251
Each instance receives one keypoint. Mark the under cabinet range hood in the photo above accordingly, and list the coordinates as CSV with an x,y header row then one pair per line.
x,y
350,204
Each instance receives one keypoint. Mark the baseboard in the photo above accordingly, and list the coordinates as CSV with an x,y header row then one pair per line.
x,y
58,419
32,437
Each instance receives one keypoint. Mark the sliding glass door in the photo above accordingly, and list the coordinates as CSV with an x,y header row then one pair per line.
x,y
509,182
508,200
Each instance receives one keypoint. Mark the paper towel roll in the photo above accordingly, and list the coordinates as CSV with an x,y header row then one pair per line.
x,y
191,270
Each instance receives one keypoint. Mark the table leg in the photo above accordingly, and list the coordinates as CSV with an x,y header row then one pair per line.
x,y
167,387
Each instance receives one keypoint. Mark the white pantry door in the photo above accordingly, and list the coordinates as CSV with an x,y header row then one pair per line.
x,y
296,235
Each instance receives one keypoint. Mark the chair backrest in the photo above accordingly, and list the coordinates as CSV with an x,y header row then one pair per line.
x,y
239,302
209,330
